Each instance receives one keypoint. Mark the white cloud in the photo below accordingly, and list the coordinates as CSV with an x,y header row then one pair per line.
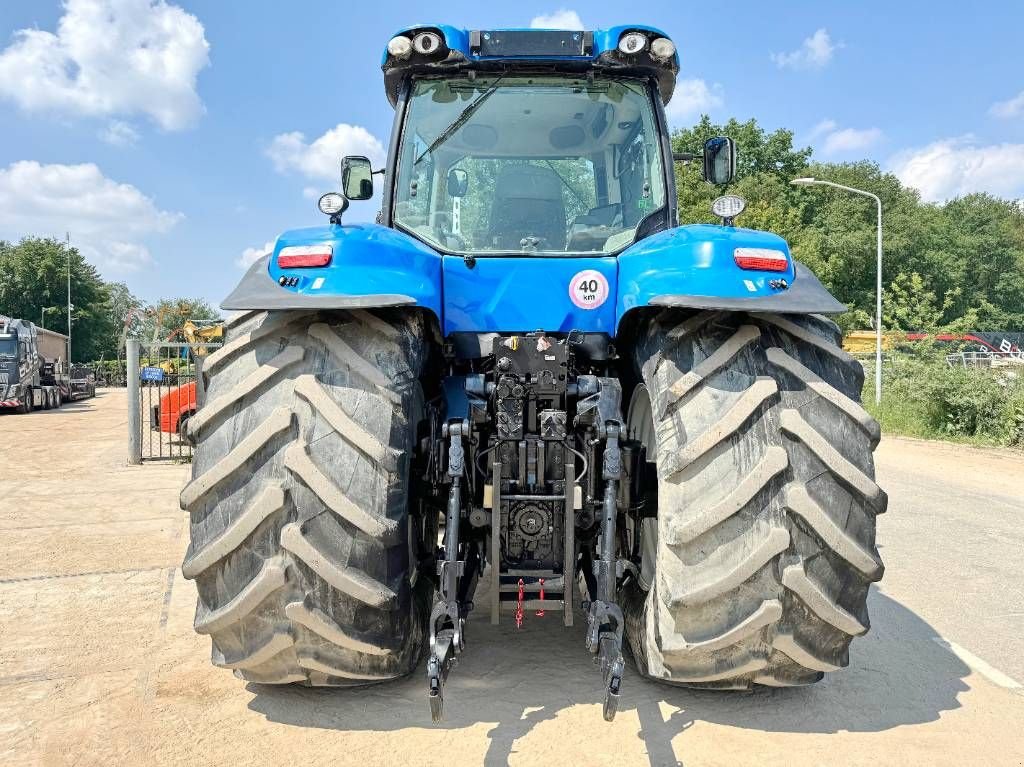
x,y
822,128
560,19
108,221
815,52
958,166
834,139
851,140
251,255
693,97
110,57
1013,107
321,159
119,133
311,193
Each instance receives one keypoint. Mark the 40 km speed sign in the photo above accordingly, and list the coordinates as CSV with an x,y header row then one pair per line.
x,y
588,289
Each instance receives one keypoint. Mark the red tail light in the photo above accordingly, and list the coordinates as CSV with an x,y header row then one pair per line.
x,y
300,256
761,259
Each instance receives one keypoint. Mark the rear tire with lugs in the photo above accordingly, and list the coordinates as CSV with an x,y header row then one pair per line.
x,y
299,501
758,565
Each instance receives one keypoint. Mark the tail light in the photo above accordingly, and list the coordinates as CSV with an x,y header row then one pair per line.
x,y
303,256
761,259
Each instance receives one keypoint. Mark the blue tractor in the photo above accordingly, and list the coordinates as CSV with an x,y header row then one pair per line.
x,y
526,388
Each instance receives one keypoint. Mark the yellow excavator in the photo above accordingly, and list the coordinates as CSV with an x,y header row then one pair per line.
x,y
195,333
863,341
201,332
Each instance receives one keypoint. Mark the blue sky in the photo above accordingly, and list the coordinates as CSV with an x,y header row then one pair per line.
x,y
175,139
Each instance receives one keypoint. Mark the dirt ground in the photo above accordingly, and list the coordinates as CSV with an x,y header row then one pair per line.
x,y
99,663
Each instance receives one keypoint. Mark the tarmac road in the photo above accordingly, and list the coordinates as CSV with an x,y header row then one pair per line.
x,y
99,664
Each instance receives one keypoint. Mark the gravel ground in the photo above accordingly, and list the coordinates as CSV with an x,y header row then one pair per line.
x,y
99,664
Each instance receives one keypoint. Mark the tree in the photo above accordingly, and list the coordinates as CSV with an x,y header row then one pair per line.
x,y
127,315
164,320
33,276
953,265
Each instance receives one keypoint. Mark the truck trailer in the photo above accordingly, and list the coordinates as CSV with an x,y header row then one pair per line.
x,y
33,367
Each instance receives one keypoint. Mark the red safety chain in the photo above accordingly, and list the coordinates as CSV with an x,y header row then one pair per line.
x,y
519,606
540,613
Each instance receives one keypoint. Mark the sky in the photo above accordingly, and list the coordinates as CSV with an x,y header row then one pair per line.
x,y
173,140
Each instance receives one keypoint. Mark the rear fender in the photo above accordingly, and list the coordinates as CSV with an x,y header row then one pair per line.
x,y
372,266
694,267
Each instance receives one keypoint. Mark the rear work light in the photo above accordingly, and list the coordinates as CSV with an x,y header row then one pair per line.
x,y
299,256
761,259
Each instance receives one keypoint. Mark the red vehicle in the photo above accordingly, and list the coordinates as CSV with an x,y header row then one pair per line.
x,y
175,408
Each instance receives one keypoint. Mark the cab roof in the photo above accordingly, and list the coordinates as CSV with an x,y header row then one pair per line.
x,y
529,50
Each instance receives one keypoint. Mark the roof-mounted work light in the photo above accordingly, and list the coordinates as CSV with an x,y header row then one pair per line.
x,y
632,42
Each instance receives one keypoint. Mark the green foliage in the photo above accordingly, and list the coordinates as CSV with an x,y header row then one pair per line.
x,y
910,305
126,312
956,266
1015,406
33,276
925,397
164,320
966,402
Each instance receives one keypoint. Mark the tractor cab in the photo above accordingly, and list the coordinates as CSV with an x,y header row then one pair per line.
x,y
528,142
550,165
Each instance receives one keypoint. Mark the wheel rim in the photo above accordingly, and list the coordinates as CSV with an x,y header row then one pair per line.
x,y
640,426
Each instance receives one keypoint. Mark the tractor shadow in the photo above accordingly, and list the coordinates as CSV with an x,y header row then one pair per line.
x,y
898,675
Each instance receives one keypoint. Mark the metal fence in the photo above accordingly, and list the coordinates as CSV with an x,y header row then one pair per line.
x,y
165,389
986,359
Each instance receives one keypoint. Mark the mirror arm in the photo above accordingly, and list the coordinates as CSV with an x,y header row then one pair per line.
x,y
684,156
377,172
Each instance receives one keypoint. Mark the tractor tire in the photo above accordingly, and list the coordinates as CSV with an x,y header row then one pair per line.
x,y
299,500
757,567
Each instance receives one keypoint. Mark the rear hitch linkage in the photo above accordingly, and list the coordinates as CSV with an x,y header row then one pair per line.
x,y
448,619
605,622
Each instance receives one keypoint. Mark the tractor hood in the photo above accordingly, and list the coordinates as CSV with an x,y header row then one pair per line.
x,y
370,265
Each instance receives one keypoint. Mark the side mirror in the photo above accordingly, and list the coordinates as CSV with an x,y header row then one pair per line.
x,y
458,182
719,160
357,178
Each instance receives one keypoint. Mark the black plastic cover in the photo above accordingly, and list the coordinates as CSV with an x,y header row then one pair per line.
x,y
531,43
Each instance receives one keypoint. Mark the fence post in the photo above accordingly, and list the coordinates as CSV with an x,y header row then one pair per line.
x,y
134,416
200,383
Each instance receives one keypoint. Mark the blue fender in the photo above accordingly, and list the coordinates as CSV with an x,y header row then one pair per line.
x,y
693,266
372,266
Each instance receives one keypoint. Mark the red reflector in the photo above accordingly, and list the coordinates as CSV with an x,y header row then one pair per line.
x,y
291,262
300,256
761,259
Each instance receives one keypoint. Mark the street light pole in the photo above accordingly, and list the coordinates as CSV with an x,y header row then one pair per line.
x,y
878,272
67,240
